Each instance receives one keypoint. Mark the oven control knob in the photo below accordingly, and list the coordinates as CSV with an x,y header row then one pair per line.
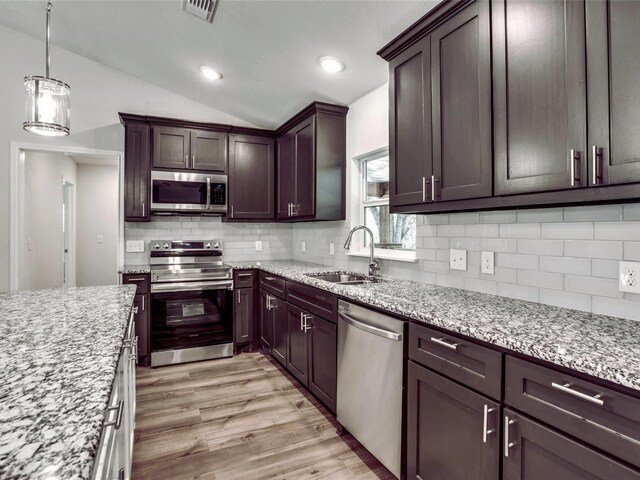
x,y
156,245
165,246
216,245
207,245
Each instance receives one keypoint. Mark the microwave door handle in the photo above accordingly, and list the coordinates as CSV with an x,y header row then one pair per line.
x,y
208,193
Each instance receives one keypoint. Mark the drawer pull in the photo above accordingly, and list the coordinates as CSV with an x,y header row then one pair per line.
x,y
269,279
136,279
245,274
118,421
566,388
440,341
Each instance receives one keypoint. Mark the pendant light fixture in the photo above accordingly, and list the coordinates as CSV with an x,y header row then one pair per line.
x,y
48,100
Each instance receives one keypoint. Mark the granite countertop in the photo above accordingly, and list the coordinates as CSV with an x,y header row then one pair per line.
x,y
602,346
58,356
133,269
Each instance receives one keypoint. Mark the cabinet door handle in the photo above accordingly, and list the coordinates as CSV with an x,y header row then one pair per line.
x,y
485,423
301,326
597,160
434,180
143,303
566,388
440,341
574,158
507,443
193,161
118,421
135,310
186,161
144,209
208,193
238,296
424,189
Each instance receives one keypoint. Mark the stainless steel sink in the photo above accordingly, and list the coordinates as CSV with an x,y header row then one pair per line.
x,y
345,278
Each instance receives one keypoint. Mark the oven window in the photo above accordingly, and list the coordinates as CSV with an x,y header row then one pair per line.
x,y
167,191
191,319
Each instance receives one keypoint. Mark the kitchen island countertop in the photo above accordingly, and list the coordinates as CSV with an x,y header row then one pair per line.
x,y
59,351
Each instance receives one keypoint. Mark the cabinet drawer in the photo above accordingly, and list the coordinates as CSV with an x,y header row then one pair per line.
x,y
607,419
140,280
314,300
243,278
473,365
273,284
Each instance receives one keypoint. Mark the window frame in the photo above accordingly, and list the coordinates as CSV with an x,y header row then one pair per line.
x,y
406,255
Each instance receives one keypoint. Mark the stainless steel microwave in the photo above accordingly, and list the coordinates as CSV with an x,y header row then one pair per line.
x,y
188,193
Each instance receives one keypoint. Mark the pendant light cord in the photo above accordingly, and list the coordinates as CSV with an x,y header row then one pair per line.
x,y
48,59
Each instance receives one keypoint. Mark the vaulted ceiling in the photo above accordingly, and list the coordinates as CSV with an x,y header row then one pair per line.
x,y
267,50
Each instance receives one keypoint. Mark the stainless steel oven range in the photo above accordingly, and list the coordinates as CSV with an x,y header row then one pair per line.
x,y
191,302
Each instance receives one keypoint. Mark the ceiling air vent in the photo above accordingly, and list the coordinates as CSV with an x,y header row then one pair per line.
x,y
204,9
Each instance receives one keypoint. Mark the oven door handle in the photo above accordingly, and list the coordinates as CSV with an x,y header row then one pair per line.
x,y
190,286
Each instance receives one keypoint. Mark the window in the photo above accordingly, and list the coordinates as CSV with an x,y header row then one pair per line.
x,y
390,230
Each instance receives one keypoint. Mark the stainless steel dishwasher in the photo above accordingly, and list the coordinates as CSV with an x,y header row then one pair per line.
x,y
370,372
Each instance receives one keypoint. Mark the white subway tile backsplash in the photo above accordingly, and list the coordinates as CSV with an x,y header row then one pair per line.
x,y
576,266
568,230
482,230
451,230
516,260
615,307
522,292
505,275
463,218
465,243
631,251
592,286
577,301
504,245
540,215
631,211
445,280
593,249
540,247
541,279
525,230
481,285
604,268
617,231
593,213
500,216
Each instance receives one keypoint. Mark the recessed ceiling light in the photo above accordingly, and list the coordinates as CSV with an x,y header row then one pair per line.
x,y
331,64
210,73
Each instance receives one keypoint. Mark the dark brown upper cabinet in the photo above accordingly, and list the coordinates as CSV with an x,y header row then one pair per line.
x,y
187,149
311,164
539,92
613,76
440,112
137,167
251,177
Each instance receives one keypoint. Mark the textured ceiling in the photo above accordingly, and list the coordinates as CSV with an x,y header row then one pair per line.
x,y
266,50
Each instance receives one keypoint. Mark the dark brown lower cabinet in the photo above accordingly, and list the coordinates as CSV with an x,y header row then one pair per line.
x,y
243,315
266,321
141,318
280,331
536,452
453,433
297,346
323,361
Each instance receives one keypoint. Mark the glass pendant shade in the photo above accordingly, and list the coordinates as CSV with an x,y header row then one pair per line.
x,y
47,106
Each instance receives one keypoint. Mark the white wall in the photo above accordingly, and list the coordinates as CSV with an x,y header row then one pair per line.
x,y
42,242
98,93
97,214
559,256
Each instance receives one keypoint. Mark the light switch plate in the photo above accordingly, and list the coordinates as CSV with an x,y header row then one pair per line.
x,y
457,259
135,246
258,245
332,248
100,238
488,263
629,277
303,247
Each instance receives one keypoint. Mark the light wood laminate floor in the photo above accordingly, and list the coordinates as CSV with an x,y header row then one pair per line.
x,y
239,418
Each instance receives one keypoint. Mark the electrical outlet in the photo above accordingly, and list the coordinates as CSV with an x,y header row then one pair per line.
x,y
332,248
488,263
303,247
629,277
457,259
258,245
135,246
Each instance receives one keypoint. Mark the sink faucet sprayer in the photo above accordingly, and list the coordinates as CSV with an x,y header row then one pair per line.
x,y
374,267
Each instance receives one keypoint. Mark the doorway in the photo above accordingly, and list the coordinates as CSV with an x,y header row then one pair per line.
x,y
67,227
